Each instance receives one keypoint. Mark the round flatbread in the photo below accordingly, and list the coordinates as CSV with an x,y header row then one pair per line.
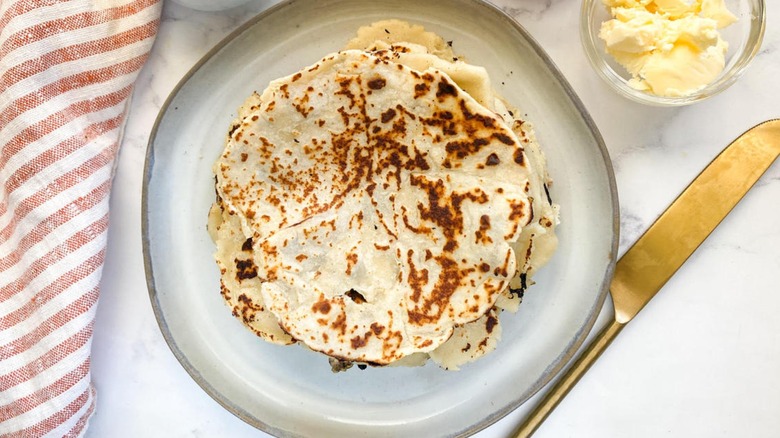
x,y
381,202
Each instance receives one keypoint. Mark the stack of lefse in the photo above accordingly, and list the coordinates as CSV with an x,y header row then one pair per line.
x,y
354,292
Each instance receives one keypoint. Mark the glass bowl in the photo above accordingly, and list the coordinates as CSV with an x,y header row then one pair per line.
x,y
744,39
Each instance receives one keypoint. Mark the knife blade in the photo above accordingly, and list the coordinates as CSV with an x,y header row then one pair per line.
x,y
666,245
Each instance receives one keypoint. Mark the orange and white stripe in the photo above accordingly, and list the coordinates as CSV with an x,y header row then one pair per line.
x,y
67,69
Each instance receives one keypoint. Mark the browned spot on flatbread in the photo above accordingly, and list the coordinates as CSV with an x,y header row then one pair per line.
x,y
388,115
245,269
377,84
445,89
321,306
355,296
519,157
481,234
421,89
352,259
491,323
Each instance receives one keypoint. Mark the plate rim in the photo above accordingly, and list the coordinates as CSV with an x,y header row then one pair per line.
x,y
552,370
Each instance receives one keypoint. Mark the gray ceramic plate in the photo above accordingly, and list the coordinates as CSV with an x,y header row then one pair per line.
x,y
289,391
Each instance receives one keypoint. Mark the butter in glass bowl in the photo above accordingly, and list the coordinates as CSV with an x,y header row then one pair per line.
x,y
671,52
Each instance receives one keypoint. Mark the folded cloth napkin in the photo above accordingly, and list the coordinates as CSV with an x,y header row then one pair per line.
x,y
67,69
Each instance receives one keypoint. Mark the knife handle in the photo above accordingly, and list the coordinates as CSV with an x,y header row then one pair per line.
x,y
569,379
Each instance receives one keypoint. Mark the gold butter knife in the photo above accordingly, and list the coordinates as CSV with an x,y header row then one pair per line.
x,y
665,246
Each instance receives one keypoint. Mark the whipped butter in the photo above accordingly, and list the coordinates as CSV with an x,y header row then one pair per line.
x,y
671,47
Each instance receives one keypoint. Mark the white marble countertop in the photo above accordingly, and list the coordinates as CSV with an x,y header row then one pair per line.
x,y
701,360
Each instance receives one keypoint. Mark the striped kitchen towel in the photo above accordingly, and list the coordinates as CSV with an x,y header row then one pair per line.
x,y
67,69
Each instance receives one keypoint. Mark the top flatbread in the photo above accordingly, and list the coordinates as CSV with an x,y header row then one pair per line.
x,y
381,202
